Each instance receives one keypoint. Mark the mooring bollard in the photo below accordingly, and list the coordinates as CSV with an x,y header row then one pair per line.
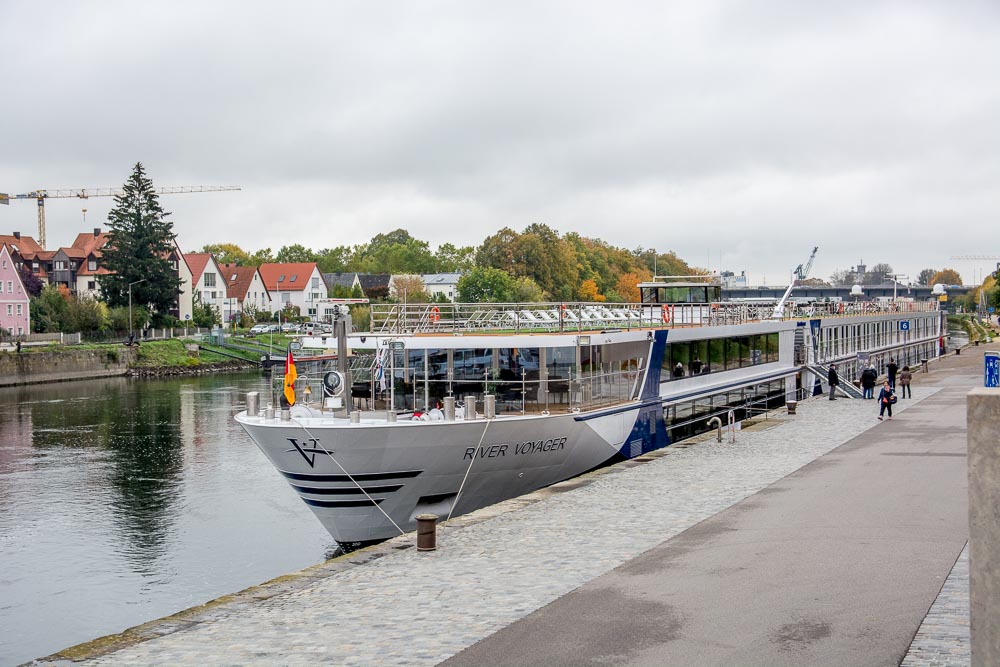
x,y
449,408
355,416
253,403
923,364
427,532
286,415
791,405
490,406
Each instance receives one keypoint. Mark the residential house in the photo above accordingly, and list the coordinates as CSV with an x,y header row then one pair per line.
x,y
209,285
90,269
24,250
346,280
78,267
15,318
442,283
246,286
375,285
298,284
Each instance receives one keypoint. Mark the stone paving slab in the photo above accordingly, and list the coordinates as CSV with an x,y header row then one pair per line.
x,y
943,639
413,608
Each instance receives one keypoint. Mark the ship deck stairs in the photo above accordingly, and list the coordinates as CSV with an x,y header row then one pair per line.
x,y
822,372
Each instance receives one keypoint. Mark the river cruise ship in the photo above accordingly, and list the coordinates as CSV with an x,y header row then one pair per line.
x,y
447,408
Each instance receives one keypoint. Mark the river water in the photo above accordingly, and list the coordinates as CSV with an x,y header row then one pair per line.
x,y
124,500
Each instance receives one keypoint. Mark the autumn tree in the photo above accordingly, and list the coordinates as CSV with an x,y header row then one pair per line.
x,y
140,245
589,291
627,286
409,289
946,277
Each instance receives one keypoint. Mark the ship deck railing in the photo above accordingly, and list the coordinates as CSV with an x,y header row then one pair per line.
x,y
524,394
562,317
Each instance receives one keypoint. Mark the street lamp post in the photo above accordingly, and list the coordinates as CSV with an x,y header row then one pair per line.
x,y
130,305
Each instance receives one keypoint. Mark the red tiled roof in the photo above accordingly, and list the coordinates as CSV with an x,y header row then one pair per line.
x,y
75,253
272,272
88,243
197,261
25,245
238,278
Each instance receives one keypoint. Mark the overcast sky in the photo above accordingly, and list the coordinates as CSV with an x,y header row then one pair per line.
x,y
737,134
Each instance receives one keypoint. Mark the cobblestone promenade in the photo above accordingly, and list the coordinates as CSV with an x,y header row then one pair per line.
x,y
502,563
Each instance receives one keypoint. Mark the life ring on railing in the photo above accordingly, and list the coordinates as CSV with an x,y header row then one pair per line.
x,y
840,308
435,314
562,311
666,314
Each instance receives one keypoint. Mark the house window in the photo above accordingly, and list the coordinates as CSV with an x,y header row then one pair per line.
x,y
294,276
312,311
91,264
281,278
10,286
213,296
92,285
34,267
315,283
285,297
60,265
5,264
209,280
10,309
20,309
1,287
20,331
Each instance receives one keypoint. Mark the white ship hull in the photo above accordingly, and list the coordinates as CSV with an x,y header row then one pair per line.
x,y
409,468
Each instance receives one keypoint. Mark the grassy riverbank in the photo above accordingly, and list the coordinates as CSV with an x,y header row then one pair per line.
x,y
973,327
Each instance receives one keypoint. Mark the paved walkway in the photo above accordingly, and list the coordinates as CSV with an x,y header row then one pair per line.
x,y
498,569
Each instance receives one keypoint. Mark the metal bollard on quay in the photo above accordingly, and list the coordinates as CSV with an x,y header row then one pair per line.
x,y
427,532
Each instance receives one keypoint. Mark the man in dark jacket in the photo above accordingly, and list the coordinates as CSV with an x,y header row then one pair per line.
x,y
868,378
833,380
891,370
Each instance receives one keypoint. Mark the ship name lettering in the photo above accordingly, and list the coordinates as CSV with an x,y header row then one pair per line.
x,y
532,446
490,452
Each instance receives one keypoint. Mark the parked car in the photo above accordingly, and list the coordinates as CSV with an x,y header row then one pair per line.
x,y
259,329
314,328
290,327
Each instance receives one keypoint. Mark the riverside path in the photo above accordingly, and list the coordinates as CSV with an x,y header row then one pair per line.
x,y
820,538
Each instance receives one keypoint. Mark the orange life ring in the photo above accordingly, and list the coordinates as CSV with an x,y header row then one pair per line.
x,y
840,307
666,314
435,314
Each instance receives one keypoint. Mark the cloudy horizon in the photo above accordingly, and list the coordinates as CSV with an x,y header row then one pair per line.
x,y
738,135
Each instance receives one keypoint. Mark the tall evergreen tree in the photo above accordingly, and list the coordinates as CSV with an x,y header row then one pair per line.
x,y
140,244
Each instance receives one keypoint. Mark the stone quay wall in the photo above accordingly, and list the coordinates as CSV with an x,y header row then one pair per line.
x,y
37,367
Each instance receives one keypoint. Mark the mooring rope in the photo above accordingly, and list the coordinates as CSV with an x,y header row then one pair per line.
x,y
469,469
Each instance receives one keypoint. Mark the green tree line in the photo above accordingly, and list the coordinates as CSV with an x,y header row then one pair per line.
x,y
537,264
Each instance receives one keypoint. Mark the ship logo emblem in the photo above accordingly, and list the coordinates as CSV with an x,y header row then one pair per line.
x,y
309,453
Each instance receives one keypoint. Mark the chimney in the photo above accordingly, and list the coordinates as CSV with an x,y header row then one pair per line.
x,y
17,235
97,232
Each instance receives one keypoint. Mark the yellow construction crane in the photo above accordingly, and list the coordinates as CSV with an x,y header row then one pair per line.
x,y
41,195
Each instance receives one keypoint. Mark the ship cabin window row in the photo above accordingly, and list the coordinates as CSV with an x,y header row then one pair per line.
x,y
838,341
699,357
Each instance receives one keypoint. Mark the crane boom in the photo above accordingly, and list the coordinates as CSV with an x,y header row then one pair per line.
x,y
86,193
800,274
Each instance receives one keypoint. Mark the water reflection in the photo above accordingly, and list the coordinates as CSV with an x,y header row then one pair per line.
x,y
125,500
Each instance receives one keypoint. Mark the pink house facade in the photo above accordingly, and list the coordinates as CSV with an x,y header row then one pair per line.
x,y
14,317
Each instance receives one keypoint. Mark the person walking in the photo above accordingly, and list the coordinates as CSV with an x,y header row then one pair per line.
x,y
891,370
886,398
868,378
905,376
833,380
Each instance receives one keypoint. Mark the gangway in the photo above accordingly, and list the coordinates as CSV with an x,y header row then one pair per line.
x,y
845,387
